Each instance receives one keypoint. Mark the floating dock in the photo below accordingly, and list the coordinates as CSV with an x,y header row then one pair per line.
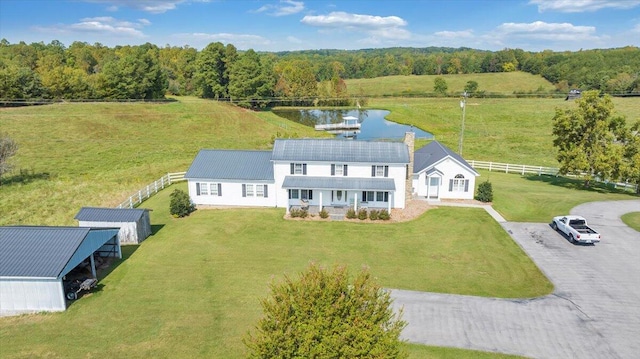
x,y
348,123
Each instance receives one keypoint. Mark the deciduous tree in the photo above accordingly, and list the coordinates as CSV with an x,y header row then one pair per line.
x,y
440,86
587,138
8,149
325,314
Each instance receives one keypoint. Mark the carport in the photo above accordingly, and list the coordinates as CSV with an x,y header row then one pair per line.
x,y
34,261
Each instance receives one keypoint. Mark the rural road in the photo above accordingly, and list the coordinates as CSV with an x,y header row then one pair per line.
x,y
594,311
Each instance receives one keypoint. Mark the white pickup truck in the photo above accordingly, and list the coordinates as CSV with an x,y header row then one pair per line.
x,y
576,228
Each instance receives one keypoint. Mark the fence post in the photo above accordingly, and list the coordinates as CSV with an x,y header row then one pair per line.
x,y
140,196
169,179
523,170
490,163
507,169
130,202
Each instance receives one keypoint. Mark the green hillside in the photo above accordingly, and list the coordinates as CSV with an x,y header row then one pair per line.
x,y
502,83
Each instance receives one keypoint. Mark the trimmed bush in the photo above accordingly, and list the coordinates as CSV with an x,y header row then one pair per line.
x,y
384,215
362,214
485,192
324,213
351,213
373,214
180,205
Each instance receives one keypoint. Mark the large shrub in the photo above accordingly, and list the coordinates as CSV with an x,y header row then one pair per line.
x,y
180,205
326,314
485,192
362,214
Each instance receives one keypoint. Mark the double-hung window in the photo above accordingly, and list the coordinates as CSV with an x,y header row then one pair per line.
x,y
298,169
208,189
379,171
459,184
338,169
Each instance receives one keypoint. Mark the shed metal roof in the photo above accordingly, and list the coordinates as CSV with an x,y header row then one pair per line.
x,y
340,183
231,165
95,214
340,151
49,252
433,153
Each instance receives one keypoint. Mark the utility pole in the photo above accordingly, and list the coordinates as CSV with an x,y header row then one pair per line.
x,y
463,106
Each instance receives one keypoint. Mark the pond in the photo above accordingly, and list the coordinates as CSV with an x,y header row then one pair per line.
x,y
373,125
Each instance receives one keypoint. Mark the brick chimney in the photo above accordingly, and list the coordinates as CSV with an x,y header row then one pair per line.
x,y
409,140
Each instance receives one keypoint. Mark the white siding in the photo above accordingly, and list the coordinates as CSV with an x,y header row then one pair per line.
x,y
397,172
24,295
128,233
232,194
450,169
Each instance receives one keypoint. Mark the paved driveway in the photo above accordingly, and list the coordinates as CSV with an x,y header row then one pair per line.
x,y
594,311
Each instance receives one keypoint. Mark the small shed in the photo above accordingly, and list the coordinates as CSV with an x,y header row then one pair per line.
x,y
34,263
134,223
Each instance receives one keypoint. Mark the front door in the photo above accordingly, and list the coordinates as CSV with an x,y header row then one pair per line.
x,y
433,188
339,198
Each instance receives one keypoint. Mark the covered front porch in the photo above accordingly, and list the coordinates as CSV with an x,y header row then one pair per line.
x,y
337,194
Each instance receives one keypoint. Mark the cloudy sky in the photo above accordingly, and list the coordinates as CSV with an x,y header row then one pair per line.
x,y
279,25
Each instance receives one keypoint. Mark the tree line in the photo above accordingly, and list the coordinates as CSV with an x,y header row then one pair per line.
x,y
261,79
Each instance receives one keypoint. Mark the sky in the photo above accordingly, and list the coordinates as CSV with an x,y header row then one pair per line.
x,y
287,25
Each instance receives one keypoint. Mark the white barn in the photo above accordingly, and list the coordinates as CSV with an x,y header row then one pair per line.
x,y
134,223
35,260
440,173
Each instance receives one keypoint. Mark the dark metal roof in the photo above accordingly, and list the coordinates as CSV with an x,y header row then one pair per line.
x,y
95,214
340,183
47,251
433,153
340,151
231,165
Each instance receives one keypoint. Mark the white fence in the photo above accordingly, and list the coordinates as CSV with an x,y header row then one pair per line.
x,y
152,189
539,170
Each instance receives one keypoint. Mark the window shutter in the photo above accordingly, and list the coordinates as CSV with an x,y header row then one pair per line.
x,y
266,191
344,173
333,169
386,196
310,194
197,188
373,171
304,168
289,194
219,189
244,190
292,168
450,185
386,171
364,196
466,185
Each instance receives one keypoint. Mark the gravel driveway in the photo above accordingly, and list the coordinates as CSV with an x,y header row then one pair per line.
x,y
594,311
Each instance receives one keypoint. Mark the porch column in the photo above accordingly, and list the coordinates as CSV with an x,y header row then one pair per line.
x,y
355,201
320,204
389,203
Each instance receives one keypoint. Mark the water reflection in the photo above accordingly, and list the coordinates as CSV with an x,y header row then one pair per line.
x,y
373,123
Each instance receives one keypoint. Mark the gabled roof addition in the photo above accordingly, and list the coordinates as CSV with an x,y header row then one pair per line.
x,y
231,165
95,214
433,153
332,150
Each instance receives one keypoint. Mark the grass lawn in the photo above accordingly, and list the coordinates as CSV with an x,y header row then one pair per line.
x,y
632,220
533,198
193,288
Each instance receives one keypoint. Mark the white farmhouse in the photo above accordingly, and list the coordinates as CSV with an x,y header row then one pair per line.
x,y
323,173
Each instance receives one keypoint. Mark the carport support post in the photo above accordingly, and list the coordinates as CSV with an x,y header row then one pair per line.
x,y
93,267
